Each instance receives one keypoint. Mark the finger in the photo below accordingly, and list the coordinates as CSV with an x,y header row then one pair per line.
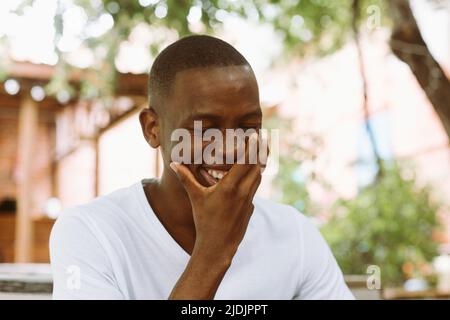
x,y
252,179
253,175
238,170
263,151
254,187
186,178
247,217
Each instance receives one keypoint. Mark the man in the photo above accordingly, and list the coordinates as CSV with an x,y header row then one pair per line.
x,y
198,232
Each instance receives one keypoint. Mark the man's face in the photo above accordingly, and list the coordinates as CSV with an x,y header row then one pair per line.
x,y
221,98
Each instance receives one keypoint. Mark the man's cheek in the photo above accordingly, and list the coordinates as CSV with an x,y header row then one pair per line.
x,y
182,151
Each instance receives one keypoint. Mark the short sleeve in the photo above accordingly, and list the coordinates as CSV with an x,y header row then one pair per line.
x,y
80,265
322,279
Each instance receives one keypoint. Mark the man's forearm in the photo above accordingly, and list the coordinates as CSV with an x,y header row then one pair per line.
x,y
201,278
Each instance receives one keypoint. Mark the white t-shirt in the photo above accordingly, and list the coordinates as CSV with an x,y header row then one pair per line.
x,y
116,248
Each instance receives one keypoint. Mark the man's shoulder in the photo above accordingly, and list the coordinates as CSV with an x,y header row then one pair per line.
x,y
280,215
110,209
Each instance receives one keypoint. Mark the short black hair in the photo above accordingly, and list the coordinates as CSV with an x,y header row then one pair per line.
x,y
186,53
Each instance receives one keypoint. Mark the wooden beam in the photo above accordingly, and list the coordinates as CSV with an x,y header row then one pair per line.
x,y
119,119
28,121
127,83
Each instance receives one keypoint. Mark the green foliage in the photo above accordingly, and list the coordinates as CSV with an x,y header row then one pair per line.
x,y
3,61
307,27
291,179
315,27
293,190
388,224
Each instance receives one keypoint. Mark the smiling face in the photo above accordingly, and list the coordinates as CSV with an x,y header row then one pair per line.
x,y
222,98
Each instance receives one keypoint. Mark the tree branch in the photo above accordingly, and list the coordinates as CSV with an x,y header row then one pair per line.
x,y
370,133
408,45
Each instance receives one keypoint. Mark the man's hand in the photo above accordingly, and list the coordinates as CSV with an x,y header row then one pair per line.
x,y
221,215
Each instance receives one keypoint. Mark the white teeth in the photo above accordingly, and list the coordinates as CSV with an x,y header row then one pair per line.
x,y
217,174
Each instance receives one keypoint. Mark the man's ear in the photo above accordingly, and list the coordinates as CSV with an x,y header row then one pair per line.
x,y
150,126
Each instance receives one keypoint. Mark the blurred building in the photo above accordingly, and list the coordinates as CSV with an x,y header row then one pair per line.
x,y
56,154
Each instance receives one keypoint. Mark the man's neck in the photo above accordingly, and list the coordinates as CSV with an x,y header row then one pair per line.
x,y
170,202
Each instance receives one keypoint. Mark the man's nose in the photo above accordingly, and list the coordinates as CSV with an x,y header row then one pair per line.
x,y
229,151
218,154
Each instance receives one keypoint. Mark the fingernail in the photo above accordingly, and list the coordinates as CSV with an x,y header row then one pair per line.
x,y
174,166
253,136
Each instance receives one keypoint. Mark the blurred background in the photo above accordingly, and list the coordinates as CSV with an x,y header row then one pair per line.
x,y
359,90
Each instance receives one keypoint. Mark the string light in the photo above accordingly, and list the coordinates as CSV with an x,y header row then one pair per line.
x,y
37,93
12,86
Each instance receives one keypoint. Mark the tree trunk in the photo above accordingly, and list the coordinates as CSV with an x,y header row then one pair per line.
x,y
408,45
365,105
